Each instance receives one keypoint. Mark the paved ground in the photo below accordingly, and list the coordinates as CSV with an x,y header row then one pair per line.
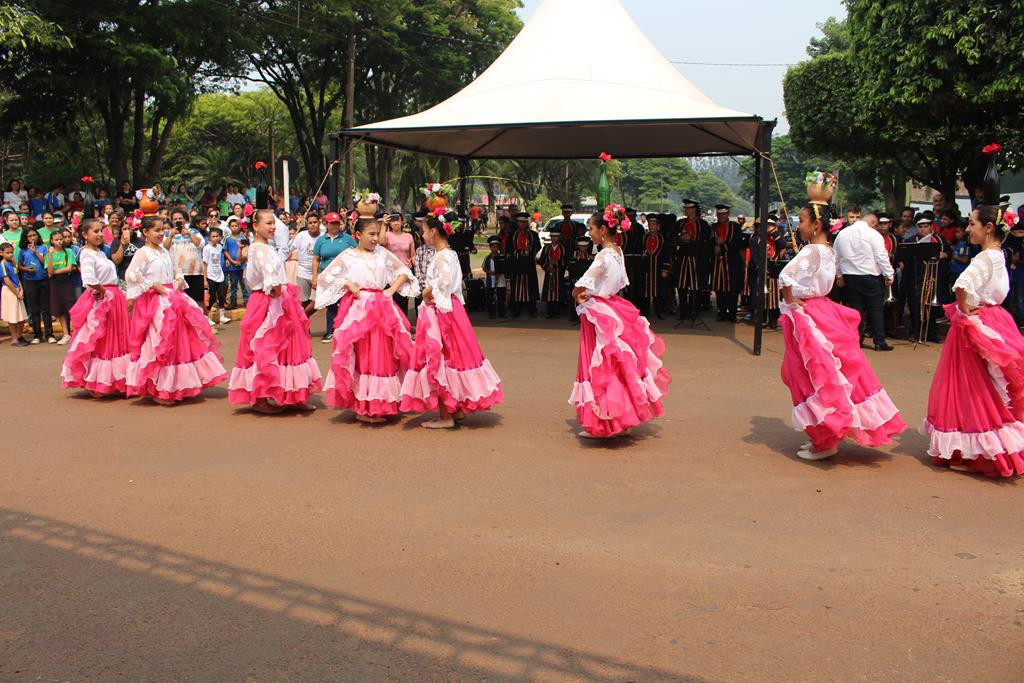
x,y
199,543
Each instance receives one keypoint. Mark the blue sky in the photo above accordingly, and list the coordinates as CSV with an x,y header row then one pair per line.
x,y
731,31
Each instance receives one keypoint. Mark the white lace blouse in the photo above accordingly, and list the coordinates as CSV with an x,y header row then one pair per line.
x,y
264,269
985,281
96,268
812,273
606,276
151,266
367,270
444,277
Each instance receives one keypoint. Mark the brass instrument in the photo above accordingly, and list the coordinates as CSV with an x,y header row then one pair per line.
x,y
929,296
890,299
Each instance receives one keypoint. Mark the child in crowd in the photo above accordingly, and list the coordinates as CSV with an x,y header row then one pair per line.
x,y
274,368
214,278
12,304
233,264
173,351
495,281
97,359
961,253
32,268
450,373
60,266
372,346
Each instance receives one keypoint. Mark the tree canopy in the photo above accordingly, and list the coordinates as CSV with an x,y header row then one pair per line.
x,y
918,87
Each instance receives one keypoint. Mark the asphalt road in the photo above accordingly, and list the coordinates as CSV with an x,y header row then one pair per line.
x,y
197,542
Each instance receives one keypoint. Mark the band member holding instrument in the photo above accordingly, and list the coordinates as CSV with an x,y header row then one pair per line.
x,y
524,245
727,277
554,260
694,247
654,286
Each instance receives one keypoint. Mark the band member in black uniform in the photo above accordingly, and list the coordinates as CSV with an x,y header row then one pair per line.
x,y
524,246
554,260
659,263
694,247
461,242
915,284
885,229
504,233
727,276
579,261
636,265
775,252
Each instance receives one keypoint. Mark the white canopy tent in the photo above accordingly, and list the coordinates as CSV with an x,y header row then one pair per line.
x,y
578,80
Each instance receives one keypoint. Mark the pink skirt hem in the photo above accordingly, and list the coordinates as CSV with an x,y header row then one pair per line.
x,y
97,358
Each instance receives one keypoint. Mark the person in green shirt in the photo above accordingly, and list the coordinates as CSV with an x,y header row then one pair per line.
x,y
12,230
60,264
47,228
223,205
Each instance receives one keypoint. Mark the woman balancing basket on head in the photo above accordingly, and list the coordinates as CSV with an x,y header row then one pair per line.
x,y
976,403
620,381
836,394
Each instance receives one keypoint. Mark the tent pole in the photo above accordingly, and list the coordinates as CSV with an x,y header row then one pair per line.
x,y
463,206
332,182
761,211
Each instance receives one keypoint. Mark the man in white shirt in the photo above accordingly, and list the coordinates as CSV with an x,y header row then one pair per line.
x,y
234,196
864,274
302,248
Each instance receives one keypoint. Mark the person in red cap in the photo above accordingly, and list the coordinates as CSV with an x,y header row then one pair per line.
x,y
327,248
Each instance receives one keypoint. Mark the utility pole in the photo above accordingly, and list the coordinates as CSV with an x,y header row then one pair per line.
x,y
272,161
350,93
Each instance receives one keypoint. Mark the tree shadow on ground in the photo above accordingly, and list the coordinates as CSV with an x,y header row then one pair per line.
x,y
84,603
778,436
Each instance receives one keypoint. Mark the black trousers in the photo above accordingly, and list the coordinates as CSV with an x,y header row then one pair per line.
x,y
496,302
195,290
37,303
402,302
727,302
866,295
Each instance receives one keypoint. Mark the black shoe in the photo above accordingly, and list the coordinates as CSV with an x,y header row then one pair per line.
x,y
883,347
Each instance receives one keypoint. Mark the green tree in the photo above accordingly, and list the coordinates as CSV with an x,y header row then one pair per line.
x,y
136,66
917,87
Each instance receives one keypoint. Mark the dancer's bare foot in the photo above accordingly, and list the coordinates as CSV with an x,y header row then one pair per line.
x,y
439,424
370,420
163,402
267,408
587,435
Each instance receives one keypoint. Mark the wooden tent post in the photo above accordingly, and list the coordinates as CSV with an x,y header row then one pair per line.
x,y
463,205
332,182
761,174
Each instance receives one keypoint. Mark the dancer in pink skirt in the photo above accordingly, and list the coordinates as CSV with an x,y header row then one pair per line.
x,y
174,354
97,358
976,403
450,374
620,381
274,367
372,348
836,394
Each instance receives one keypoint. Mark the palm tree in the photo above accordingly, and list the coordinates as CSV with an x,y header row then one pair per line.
x,y
214,167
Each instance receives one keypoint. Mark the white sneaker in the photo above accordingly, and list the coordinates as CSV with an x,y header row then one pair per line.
x,y
51,340
816,455
64,340
224,320
35,340
211,322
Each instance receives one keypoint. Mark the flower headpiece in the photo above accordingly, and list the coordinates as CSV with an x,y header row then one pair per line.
x,y
991,148
442,214
260,165
1010,219
148,194
615,216
442,189
87,179
821,185
605,157
823,178
367,197
76,220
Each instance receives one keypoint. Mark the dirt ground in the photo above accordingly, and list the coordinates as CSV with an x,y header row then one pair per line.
x,y
197,542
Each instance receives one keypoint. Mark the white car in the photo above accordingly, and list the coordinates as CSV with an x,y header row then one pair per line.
x,y
545,234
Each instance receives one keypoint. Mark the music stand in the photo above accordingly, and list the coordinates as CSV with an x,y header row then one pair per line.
x,y
694,319
918,253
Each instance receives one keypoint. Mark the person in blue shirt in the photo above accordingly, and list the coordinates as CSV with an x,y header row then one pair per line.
x,y
961,254
12,306
36,203
326,249
36,285
234,268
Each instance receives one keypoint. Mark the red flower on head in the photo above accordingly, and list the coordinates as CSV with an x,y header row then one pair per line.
x,y
87,179
138,214
991,149
260,165
440,211
605,157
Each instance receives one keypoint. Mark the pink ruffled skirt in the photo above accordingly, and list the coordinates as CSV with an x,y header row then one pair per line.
x,y
371,354
620,380
97,358
174,354
976,403
275,358
836,394
449,366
